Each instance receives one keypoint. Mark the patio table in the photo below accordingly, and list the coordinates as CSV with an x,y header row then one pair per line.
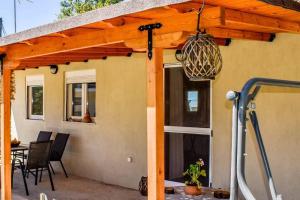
x,y
180,195
19,151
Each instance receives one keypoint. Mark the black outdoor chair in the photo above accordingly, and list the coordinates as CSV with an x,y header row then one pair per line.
x,y
38,160
58,148
17,163
44,136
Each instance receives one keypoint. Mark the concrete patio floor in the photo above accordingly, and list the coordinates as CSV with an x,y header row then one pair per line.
x,y
72,188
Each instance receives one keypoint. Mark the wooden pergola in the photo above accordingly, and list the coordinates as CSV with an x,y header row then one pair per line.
x,y
113,31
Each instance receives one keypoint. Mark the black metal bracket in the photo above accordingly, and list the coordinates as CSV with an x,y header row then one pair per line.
x,y
2,56
272,37
149,28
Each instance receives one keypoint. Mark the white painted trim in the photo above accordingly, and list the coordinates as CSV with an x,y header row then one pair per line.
x,y
172,65
211,152
188,130
84,103
34,81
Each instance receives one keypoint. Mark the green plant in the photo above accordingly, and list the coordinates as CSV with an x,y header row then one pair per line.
x,y
75,7
194,172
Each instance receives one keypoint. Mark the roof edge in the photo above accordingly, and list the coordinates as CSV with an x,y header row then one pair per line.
x,y
105,13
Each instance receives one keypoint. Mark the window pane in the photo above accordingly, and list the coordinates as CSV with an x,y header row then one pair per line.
x,y
91,99
187,103
37,100
181,150
77,99
192,101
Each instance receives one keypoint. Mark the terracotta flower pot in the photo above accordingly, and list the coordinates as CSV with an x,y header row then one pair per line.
x,y
192,190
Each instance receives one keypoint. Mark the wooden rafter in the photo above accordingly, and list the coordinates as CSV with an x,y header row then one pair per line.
x,y
156,13
240,34
245,21
159,41
103,50
58,35
186,22
176,19
26,43
62,59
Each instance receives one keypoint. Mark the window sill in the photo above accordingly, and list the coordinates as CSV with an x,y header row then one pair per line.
x,y
92,123
35,119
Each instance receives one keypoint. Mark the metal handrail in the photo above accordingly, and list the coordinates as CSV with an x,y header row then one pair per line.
x,y
233,96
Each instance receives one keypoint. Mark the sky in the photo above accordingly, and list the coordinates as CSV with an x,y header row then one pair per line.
x,y
29,14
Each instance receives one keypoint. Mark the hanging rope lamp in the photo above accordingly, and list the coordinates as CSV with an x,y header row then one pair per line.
x,y
200,56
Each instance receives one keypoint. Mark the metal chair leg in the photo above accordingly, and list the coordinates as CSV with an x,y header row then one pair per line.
x,y
50,177
36,176
12,172
41,175
24,179
62,165
51,168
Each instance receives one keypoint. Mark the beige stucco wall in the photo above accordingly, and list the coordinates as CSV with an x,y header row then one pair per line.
x,y
100,150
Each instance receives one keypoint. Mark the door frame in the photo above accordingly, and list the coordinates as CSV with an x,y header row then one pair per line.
x,y
195,130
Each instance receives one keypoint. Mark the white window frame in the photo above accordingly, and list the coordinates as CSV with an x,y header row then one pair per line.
x,y
195,130
31,82
83,77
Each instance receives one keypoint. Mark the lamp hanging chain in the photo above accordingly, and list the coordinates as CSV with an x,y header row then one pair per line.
x,y
199,18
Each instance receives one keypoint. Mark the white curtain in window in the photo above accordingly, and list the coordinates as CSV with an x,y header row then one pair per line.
x,y
81,76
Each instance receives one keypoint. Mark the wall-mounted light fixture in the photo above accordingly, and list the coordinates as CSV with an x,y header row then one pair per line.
x,y
53,69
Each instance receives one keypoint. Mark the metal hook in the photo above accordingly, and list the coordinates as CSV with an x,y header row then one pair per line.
x,y
199,15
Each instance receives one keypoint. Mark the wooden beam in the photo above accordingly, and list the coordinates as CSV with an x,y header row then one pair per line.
x,y
223,41
155,126
53,61
239,34
156,13
104,50
211,17
219,41
81,55
245,21
24,65
105,24
160,41
115,45
26,43
58,35
5,137
68,57
2,50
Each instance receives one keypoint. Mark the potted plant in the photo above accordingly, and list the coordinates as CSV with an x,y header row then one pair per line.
x,y
193,173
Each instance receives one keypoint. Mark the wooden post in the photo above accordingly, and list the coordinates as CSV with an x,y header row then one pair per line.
x,y
155,126
5,137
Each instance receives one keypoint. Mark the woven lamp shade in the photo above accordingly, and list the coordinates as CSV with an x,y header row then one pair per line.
x,y
201,58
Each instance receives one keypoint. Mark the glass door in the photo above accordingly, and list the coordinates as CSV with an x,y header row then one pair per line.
x,y
187,124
